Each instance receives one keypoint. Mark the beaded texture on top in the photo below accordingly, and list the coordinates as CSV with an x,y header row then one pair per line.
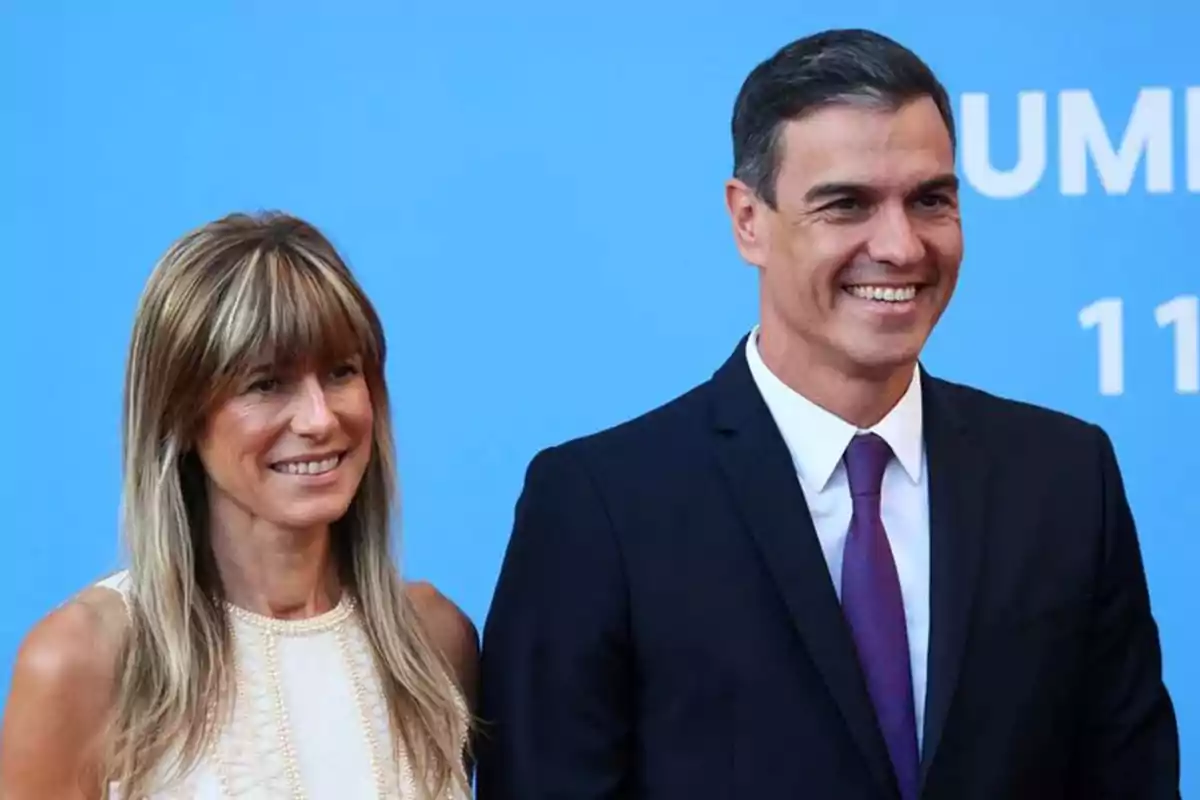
x,y
309,720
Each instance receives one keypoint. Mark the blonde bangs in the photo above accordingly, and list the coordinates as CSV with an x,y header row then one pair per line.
x,y
288,311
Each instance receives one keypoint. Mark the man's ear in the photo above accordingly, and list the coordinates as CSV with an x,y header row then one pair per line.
x,y
750,217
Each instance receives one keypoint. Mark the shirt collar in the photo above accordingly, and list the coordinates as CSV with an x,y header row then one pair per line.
x,y
817,438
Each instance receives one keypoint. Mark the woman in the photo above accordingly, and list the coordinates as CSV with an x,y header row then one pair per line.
x,y
261,643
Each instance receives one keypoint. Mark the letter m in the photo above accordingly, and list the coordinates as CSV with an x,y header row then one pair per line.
x,y
1081,131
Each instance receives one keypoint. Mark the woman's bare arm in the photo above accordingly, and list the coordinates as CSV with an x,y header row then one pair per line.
x,y
60,700
452,633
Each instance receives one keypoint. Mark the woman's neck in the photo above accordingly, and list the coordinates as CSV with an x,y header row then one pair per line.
x,y
276,572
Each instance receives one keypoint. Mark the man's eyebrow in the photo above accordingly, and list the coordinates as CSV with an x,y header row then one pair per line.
x,y
949,182
822,191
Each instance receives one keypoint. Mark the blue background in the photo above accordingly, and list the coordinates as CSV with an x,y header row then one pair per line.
x,y
531,193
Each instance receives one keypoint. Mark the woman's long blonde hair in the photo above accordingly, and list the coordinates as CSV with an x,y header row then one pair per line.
x,y
236,290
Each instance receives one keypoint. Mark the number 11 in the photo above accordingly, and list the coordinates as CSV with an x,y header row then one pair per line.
x,y
1183,313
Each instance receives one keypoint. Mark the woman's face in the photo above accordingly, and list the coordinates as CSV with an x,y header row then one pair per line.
x,y
288,447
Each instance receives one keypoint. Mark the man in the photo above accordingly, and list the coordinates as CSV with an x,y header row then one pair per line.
x,y
824,573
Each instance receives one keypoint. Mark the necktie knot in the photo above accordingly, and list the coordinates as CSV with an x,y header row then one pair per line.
x,y
867,457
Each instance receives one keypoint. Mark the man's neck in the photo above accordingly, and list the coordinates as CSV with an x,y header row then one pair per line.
x,y
861,400
276,572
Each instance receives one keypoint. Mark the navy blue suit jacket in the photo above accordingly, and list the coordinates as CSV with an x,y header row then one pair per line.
x,y
665,627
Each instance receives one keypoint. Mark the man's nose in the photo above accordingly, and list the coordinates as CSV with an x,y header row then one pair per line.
x,y
894,239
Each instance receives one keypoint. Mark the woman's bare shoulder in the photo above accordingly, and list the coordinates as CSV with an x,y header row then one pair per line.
x,y
61,695
76,641
452,632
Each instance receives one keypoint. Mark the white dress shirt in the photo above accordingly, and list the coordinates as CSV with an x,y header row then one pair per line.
x,y
817,440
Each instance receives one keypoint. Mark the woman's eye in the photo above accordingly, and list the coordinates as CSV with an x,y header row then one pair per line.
x,y
347,370
263,386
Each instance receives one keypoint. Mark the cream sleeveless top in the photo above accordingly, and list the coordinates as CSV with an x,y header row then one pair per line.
x,y
309,721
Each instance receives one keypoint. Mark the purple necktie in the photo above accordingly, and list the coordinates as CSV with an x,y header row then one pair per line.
x,y
874,608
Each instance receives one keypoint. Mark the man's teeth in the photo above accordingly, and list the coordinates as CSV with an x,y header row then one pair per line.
x,y
888,294
307,467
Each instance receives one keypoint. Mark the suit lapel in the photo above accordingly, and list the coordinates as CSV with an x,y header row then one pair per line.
x,y
762,480
958,518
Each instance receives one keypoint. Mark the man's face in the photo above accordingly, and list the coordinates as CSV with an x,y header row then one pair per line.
x,y
861,254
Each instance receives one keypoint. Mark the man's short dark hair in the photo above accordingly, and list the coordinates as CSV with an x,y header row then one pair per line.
x,y
835,67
